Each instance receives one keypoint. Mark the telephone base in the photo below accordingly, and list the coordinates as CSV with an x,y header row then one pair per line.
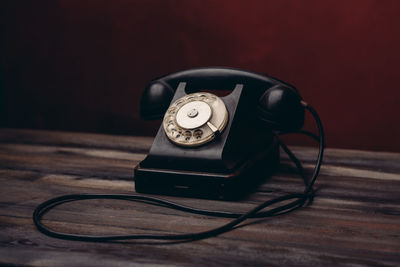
x,y
228,186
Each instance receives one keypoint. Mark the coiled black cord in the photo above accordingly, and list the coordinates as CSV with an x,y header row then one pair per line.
x,y
295,201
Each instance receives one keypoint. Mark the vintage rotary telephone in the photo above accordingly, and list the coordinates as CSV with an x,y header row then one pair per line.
x,y
213,147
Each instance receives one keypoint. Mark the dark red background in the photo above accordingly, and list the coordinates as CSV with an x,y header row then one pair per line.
x,y
82,65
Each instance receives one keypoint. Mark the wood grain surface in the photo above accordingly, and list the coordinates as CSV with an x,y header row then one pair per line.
x,y
354,220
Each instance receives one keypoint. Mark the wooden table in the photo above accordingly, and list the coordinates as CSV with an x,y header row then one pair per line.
x,y
354,220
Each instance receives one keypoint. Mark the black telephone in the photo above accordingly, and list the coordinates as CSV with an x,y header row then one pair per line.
x,y
210,146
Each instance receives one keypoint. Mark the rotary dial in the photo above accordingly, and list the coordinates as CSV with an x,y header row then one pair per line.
x,y
195,119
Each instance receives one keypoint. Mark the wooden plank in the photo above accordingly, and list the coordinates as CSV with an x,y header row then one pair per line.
x,y
72,139
354,219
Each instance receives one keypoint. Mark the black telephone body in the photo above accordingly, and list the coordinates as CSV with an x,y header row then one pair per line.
x,y
210,146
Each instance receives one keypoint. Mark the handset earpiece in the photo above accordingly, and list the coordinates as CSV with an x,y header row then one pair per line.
x,y
155,100
282,108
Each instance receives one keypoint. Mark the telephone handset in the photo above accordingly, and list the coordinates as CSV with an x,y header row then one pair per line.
x,y
278,102
212,146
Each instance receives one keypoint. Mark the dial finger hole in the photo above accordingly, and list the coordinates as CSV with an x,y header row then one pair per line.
x,y
179,102
197,133
171,127
172,110
188,135
211,98
178,133
169,119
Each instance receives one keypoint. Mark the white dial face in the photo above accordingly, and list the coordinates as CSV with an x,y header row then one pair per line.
x,y
193,115
194,119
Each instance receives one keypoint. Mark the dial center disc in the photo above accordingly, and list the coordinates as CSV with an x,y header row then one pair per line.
x,y
193,115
